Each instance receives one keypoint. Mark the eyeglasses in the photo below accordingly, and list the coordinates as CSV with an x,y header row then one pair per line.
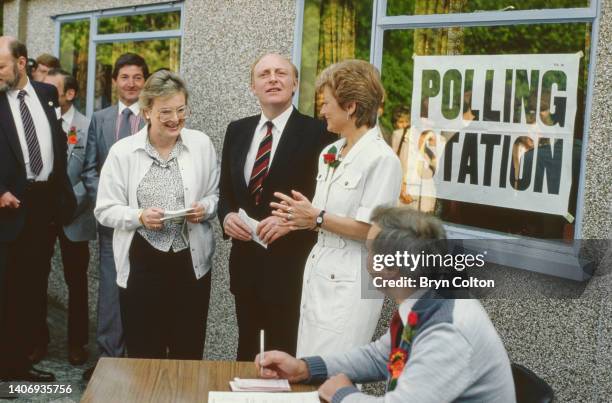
x,y
168,114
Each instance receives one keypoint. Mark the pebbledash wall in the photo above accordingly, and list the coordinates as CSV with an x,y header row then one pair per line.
x,y
568,342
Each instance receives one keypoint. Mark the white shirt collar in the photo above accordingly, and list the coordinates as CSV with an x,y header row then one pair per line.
x,y
407,304
371,135
28,88
279,122
135,108
69,115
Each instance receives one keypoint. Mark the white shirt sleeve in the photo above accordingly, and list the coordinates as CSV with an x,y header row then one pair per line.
x,y
382,186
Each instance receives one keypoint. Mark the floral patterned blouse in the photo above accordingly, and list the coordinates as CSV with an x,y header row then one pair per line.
x,y
162,187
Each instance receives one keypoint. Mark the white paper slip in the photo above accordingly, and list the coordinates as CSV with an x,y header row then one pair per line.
x,y
252,224
258,397
260,385
170,214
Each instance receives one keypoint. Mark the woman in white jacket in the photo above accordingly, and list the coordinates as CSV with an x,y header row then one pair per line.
x,y
356,174
163,265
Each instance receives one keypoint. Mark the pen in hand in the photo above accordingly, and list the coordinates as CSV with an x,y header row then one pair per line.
x,y
261,352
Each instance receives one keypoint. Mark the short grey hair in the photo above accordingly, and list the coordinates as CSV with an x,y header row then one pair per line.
x,y
406,229
161,84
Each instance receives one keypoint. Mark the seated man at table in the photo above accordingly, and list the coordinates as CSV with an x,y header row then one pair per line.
x,y
438,348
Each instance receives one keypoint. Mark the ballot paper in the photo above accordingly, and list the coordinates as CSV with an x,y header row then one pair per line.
x,y
252,224
260,385
258,397
171,214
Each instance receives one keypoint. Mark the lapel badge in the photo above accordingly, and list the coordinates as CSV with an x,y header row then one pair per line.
x,y
50,103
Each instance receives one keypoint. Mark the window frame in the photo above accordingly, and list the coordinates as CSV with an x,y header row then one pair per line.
x,y
95,38
520,251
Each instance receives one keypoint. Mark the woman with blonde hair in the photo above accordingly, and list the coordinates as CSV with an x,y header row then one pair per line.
x,y
357,173
158,190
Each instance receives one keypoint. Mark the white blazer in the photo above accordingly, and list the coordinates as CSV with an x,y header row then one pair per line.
x,y
117,205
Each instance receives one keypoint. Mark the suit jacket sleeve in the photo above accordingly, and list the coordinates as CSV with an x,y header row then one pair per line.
x,y
90,175
66,202
3,189
227,199
83,203
362,364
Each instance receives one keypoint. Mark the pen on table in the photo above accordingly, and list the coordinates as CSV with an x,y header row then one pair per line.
x,y
261,351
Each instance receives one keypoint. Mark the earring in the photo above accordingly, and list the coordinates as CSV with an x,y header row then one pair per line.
x,y
348,115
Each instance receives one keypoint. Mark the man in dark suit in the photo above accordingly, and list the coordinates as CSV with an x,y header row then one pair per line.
x,y
107,127
34,191
275,151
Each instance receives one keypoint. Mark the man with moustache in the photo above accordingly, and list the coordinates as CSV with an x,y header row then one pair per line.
x,y
34,192
275,151
108,126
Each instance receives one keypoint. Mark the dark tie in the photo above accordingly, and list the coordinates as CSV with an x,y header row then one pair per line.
x,y
396,357
260,168
125,128
395,328
36,163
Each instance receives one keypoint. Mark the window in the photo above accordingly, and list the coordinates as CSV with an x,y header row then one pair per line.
x,y
74,46
539,39
89,44
477,32
424,7
333,30
151,22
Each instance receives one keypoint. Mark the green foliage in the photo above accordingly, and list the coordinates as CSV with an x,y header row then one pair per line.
x,y
158,53
140,23
397,72
321,47
363,28
421,7
74,47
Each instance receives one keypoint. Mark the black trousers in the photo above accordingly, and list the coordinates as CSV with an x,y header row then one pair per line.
x,y
75,260
24,290
278,319
164,307
3,269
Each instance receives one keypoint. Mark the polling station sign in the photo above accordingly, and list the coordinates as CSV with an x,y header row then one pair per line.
x,y
495,130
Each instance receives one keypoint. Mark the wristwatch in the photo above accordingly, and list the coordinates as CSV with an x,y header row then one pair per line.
x,y
319,220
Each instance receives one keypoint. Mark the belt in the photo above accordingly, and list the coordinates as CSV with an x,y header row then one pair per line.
x,y
331,240
33,185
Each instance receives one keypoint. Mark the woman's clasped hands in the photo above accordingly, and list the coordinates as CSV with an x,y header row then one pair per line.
x,y
296,212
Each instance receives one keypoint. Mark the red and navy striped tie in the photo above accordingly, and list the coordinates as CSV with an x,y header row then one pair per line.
x,y
260,168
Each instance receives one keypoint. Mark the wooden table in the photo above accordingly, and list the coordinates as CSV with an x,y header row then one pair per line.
x,y
140,380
